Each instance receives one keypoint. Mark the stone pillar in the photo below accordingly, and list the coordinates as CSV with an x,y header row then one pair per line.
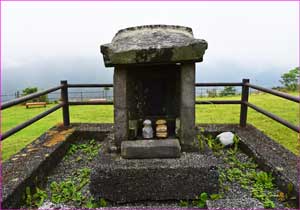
x,y
187,106
120,105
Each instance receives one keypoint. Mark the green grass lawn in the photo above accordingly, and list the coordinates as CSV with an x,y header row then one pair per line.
x,y
204,114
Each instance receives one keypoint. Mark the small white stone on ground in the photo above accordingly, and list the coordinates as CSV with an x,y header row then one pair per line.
x,y
47,205
226,138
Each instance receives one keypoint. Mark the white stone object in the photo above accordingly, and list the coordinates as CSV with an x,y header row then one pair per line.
x,y
47,205
226,138
147,129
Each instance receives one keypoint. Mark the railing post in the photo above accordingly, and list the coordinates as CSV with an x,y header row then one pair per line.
x,y
244,107
65,102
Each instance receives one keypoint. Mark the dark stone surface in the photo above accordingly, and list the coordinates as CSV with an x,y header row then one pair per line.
x,y
120,105
187,106
142,149
187,91
30,165
270,155
153,91
123,180
238,203
153,44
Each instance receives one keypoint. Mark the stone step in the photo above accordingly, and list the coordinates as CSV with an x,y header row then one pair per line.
x,y
146,149
237,203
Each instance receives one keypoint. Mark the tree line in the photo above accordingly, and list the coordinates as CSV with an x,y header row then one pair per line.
x,y
290,82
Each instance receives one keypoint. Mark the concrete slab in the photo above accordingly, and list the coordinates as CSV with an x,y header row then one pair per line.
x,y
142,149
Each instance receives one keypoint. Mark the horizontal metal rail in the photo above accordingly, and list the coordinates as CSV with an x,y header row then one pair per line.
x,y
219,102
91,102
89,85
28,97
66,103
274,117
275,92
29,122
211,84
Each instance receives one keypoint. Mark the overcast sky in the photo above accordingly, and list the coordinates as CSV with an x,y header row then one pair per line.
x,y
44,42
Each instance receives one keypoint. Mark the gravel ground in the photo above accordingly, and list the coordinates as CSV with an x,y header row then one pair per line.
x,y
236,191
66,168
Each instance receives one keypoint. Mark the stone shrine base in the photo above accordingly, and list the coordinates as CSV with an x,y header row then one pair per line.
x,y
128,180
144,149
34,164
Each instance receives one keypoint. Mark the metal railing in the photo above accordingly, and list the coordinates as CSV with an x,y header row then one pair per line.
x,y
65,103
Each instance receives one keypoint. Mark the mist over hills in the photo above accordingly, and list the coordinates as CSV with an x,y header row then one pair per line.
x,y
48,73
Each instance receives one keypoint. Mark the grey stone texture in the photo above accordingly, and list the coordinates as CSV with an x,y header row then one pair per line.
x,y
128,180
153,44
270,155
142,149
187,106
120,105
154,78
239,203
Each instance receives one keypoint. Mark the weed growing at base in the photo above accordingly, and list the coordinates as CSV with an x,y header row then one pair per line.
x,y
70,189
199,201
90,149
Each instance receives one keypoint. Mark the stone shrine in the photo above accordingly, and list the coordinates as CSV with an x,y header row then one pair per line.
x,y
154,77
154,85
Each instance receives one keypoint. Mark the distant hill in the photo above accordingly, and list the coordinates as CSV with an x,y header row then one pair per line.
x,y
48,73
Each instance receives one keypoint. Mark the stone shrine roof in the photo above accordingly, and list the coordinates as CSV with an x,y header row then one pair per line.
x,y
153,44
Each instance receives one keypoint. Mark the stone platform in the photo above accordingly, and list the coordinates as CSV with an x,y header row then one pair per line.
x,y
143,149
128,180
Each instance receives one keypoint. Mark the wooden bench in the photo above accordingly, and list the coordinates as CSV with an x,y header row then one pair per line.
x,y
98,99
35,104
